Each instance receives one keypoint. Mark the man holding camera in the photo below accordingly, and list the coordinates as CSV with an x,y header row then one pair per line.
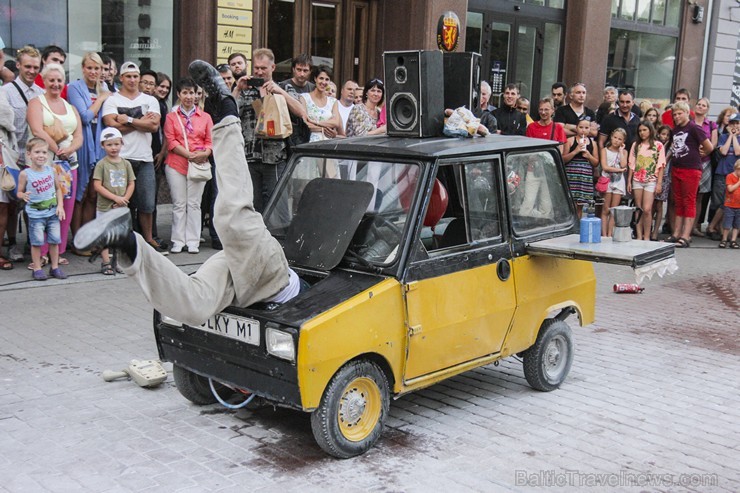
x,y
266,157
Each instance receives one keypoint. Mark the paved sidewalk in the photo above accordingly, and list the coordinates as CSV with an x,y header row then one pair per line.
x,y
652,403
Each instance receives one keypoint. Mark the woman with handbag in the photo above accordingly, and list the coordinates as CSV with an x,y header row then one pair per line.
x,y
87,95
8,157
188,135
54,120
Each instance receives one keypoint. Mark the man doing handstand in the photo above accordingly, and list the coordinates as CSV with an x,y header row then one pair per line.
x,y
250,268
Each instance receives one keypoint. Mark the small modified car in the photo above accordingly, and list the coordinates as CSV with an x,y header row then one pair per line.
x,y
416,255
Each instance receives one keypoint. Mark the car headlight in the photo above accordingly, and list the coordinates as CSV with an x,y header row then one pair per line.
x,y
280,344
169,321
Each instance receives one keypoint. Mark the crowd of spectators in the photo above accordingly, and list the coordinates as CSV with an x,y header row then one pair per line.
x,y
675,163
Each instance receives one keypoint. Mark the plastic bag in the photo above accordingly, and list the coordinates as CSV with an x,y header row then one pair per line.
x,y
462,123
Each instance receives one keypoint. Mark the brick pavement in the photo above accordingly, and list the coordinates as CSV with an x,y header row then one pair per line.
x,y
653,390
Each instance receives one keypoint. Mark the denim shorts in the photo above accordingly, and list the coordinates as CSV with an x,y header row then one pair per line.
x,y
145,190
38,226
731,219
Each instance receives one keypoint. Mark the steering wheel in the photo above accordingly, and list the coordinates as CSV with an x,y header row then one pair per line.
x,y
381,238
379,221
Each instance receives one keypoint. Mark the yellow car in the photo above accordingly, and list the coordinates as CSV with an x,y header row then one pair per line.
x,y
414,254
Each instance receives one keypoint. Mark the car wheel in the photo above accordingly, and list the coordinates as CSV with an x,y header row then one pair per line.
x,y
350,417
548,361
195,388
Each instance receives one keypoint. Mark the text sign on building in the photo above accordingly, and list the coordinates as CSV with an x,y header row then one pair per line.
x,y
234,29
236,4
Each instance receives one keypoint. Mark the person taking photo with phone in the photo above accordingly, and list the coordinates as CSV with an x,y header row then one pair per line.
x,y
267,158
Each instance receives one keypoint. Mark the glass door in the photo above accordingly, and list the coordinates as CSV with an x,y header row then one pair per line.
x,y
522,51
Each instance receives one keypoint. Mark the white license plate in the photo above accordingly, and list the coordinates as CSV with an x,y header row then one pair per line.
x,y
238,328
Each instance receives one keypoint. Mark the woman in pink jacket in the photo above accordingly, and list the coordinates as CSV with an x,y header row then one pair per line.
x,y
188,132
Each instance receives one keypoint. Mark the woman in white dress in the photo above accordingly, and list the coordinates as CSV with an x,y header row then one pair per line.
x,y
323,113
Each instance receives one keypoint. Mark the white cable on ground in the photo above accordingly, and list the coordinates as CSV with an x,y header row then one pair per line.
x,y
226,404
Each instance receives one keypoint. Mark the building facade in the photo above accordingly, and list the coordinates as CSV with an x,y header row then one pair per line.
x,y
651,46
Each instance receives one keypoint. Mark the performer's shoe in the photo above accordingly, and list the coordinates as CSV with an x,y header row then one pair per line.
x,y
207,77
110,230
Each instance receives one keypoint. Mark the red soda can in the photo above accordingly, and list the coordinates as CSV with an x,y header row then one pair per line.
x,y
628,288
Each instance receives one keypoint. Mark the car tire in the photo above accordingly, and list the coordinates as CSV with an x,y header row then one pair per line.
x,y
548,361
194,387
350,417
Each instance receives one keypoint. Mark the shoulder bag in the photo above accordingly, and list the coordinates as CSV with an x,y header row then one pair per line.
x,y
9,170
56,129
196,171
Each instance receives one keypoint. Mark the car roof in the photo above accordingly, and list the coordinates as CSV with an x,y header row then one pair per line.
x,y
425,148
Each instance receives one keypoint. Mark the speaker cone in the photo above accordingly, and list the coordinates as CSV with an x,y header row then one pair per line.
x,y
401,75
404,110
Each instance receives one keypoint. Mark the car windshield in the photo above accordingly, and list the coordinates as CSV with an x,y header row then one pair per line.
x,y
382,209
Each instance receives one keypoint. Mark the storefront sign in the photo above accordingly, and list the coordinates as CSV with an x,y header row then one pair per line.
x,y
226,49
234,30
448,31
233,34
236,4
234,17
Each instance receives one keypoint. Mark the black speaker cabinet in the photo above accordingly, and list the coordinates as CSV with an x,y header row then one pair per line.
x,y
462,80
414,91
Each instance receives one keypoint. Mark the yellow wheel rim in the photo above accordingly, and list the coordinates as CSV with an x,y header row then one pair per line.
x,y
359,409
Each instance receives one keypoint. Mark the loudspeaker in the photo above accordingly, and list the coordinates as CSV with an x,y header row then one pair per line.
x,y
414,91
462,80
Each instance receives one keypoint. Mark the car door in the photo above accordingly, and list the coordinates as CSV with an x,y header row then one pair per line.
x,y
459,294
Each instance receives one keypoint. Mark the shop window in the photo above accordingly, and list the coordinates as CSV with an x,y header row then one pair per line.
x,y
32,22
658,12
323,33
474,32
550,58
641,61
280,35
127,30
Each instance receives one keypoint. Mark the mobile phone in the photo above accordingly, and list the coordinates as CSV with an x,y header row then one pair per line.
x,y
255,82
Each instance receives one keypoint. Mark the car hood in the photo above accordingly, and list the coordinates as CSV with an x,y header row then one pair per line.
x,y
338,286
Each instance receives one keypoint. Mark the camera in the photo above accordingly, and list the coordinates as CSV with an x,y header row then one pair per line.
x,y
255,82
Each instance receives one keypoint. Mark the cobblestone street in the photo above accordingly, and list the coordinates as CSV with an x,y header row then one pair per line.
x,y
652,403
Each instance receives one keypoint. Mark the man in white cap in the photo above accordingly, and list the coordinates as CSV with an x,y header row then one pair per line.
x,y
136,115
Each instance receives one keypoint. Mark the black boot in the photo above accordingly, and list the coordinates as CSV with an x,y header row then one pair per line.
x,y
112,230
219,96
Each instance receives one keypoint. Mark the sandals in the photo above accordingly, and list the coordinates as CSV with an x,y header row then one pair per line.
x,y
722,244
671,239
44,262
106,268
5,264
733,244
682,243
63,261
